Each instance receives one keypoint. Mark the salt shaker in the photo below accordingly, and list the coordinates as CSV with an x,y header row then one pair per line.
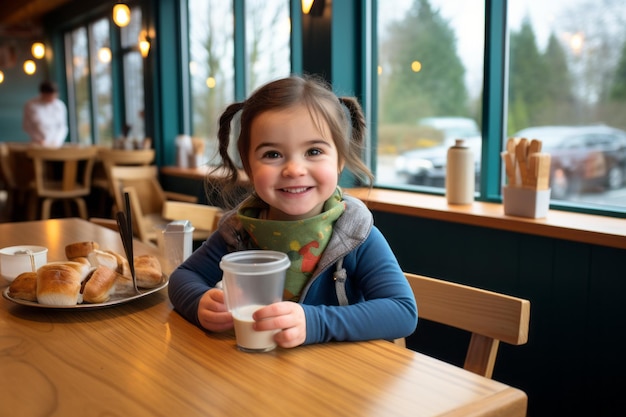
x,y
460,174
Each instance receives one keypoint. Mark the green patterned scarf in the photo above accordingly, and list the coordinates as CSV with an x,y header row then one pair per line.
x,y
303,241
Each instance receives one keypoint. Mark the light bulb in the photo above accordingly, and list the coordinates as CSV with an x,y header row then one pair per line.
x,y
30,67
1,77
38,50
306,6
104,55
121,15
144,47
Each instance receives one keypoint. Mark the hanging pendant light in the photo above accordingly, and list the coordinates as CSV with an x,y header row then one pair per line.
x,y
30,67
121,14
306,6
38,50
144,47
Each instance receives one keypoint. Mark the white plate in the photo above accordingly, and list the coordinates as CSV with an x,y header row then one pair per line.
x,y
116,299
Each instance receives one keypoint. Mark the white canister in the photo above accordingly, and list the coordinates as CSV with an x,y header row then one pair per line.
x,y
460,174
176,242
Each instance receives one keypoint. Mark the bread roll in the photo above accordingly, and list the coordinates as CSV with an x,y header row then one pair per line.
x,y
80,249
24,287
58,283
82,268
99,257
100,285
123,268
148,271
82,260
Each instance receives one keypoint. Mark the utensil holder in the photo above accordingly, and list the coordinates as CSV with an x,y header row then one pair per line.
x,y
525,202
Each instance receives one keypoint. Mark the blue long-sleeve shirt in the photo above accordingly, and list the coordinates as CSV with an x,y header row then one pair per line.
x,y
381,303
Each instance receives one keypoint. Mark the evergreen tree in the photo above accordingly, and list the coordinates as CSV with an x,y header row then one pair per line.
x,y
438,88
558,79
559,105
618,86
527,80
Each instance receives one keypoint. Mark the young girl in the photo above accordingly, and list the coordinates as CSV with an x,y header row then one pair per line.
x,y
344,282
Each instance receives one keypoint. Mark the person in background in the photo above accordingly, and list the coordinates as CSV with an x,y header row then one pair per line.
x,y
45,117
344,283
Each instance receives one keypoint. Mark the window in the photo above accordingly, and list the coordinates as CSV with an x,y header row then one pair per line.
x,y
212,57
268,31
430,68
567,78
133,77
78,86
90,83
102,83
565,83
211,66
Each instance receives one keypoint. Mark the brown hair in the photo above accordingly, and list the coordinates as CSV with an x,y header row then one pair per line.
x,y
48,87
317,96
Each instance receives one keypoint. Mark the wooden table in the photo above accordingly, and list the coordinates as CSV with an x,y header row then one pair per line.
x,y
143,359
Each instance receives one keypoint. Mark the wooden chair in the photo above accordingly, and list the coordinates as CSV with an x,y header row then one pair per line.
x,y
17,177
491,317
201,216
149,203
63,174
108,158
6,179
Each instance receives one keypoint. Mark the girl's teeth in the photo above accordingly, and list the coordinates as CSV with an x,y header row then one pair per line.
x,y
295,190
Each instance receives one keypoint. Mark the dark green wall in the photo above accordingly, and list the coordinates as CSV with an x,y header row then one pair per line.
x,y
16,90
573,363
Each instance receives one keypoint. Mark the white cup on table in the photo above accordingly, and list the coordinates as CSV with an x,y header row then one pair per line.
x,y
253,279
24,258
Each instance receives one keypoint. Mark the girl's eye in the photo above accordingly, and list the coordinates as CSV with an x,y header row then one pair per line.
x,y
314,152
271,155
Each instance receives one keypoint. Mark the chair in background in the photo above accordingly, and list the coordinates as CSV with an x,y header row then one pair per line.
x,y
108,158
17,177
151,206
201,216
489,316
7,181
63,174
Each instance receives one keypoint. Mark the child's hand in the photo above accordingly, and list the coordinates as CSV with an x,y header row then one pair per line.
x,y
286,316
212,311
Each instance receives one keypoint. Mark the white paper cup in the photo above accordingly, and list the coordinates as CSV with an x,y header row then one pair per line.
x,y
253,279
17,259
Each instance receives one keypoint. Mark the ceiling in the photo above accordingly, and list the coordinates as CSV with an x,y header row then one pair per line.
x,y
21,18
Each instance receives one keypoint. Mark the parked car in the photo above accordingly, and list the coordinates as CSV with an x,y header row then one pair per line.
x,y
583,157
427,166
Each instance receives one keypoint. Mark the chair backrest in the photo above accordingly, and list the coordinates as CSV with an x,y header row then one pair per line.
x,y
6,173
489,316
147,195
75,165
201,216
112,157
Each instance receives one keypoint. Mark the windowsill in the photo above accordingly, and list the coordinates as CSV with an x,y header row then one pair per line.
x,y
577,227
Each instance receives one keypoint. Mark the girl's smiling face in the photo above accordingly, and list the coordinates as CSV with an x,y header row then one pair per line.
x,y
295,166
